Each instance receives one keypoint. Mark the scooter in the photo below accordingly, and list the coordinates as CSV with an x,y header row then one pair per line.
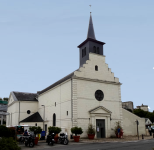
x,y
63,139
50,139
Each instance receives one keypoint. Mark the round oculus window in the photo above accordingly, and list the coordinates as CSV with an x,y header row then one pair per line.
x,y
99,95
28,111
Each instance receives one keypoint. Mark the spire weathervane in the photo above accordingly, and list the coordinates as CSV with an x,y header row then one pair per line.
x,y
90,7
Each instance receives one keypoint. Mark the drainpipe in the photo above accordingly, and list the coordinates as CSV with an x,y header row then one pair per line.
x,y
71,103
19,114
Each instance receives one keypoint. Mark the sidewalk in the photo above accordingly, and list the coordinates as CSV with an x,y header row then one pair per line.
x,y
124,139
43,145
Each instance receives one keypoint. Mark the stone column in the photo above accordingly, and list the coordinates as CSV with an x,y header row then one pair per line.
x,y
1,119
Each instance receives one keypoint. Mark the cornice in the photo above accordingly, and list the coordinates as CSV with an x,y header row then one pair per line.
x,y
97,80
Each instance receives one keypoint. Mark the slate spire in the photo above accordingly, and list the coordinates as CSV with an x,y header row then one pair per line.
x,y
91,33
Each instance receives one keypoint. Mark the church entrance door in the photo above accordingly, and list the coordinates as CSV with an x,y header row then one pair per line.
x,y
100,128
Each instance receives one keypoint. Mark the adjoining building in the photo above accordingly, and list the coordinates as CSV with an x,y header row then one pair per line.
x,y
128,105
3,110
90,94
143,107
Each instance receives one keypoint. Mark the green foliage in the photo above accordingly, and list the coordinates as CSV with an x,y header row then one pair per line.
x,y
53,129
118,125
36,130
129,110
91,129
144,114
12,132
4,131
76,130
5,99
8,144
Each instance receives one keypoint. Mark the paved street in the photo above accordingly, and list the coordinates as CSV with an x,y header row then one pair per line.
x,y
133,145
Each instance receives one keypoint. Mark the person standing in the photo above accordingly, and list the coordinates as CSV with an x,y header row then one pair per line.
x,y
149,127
118,132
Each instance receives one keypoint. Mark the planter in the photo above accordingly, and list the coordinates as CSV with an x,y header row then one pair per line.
x,y
36,140
76,138
56,138
91,136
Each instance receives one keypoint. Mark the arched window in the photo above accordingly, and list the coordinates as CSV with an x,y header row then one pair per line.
x,y
84,52
97,50
96,68
54,119
94,49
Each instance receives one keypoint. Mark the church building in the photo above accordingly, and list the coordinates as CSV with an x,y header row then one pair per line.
x,y
90,94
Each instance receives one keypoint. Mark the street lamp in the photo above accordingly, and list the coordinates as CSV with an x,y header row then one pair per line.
x,y
44,116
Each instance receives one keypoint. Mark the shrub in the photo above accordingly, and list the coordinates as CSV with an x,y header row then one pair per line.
x,y
36,130
4,131
8,144
117,126
91,129
76,130
5,99
55,130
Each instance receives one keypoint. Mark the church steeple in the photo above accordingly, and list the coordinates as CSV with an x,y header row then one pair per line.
x,y
91,33
90,45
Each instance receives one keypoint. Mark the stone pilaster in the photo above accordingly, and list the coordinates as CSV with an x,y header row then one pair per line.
x,y
74,102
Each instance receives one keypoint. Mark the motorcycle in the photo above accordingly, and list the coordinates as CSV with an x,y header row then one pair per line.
x,y
50,139
29,140
63,139
21,139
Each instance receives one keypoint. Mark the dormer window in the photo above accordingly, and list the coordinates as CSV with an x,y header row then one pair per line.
x,y
84,52
96,68
97,50
94,49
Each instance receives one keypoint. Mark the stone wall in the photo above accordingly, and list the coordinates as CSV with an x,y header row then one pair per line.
x,y
129,124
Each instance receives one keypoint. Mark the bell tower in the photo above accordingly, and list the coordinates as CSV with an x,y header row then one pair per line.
x,y
90,45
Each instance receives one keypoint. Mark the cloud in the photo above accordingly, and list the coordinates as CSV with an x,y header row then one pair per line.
x,y
148,107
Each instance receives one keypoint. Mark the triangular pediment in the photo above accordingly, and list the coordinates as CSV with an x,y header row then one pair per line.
x,y
100,110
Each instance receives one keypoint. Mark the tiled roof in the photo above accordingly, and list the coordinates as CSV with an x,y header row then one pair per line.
x,y
22,96
33,118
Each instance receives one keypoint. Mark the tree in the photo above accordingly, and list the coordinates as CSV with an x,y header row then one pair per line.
x,y
5,99
144,114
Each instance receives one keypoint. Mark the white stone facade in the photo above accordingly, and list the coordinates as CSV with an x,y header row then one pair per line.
x,y
74,103
13,109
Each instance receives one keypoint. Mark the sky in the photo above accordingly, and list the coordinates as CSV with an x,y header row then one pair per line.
x,y
39,39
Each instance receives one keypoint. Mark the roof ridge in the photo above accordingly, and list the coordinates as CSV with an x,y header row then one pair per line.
x,y
23,92
57,83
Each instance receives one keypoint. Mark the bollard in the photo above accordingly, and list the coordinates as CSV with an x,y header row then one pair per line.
x,y
142,136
